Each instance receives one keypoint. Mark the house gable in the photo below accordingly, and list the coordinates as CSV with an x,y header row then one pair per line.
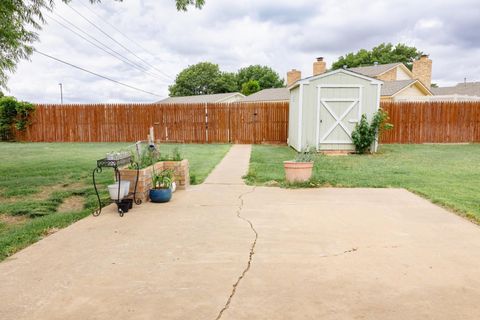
x,y
404,73
404,88
415,89
386,72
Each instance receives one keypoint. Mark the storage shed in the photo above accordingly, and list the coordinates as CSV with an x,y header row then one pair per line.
x,y
325,108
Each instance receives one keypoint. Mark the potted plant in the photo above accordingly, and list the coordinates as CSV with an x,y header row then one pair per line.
x,y
161,186
300,169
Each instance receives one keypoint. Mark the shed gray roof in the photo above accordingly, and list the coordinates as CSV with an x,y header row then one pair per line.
x,y
205,98
467,89
274,94
389,88
373,71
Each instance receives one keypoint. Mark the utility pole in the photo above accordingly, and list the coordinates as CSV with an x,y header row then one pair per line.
x,y
61,92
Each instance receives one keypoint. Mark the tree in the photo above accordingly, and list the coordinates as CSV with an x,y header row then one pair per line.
x,y
227,82
265,76
207,78
20,19
383,53
182,5
13,112
202,78
250,87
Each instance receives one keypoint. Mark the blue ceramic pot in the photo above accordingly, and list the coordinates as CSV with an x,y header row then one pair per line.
x,y
160,195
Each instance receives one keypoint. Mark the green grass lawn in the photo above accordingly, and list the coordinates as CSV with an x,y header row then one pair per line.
x,y
448,175
36,178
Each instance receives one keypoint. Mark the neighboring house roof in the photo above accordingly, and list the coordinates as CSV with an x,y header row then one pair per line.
x,y
205,98
391,88
464,88
376,70
274,94
329,73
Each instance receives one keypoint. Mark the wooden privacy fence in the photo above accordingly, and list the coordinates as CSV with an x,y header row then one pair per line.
x,y
190,123
436,122
414,122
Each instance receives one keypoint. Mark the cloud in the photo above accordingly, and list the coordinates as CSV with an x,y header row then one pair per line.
x,y
283,34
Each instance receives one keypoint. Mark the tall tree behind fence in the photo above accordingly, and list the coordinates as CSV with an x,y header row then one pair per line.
x,y
437,122
190,123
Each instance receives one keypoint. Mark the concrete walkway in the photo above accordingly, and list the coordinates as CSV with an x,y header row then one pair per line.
x,y
233,167
223,250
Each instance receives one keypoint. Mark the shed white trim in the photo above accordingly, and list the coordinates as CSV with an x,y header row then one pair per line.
x,y
300,116
326,74
379,90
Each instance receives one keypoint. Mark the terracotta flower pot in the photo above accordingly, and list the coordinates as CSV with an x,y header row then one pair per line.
x,y
298,171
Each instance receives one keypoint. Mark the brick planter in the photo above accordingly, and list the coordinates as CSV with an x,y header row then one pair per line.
x,y
181,172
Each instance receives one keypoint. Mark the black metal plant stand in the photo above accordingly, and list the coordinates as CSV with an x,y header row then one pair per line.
x,y
115,164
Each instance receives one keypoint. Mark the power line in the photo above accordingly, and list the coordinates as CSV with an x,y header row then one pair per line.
x,y
122,33
117,42
96,74
103,47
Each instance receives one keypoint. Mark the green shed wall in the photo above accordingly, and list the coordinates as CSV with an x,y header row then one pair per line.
x,y
369,105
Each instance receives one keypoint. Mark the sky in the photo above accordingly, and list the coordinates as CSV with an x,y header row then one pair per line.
x,y
156,42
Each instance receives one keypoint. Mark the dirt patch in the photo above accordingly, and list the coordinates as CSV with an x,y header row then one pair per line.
x,y
45,192
12,220
72,204
50,231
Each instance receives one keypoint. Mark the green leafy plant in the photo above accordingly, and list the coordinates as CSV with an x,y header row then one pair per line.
x,y
13,113
306,155
364,134
146,157
163,180
176,155
193,179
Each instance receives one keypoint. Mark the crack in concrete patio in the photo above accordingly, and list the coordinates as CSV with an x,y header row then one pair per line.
x,y
340,254
250,257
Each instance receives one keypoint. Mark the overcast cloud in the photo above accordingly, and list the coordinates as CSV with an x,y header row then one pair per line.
x,y
283,34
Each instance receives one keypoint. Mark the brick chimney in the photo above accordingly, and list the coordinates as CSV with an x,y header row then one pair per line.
x,y
293,76
422,70
319,66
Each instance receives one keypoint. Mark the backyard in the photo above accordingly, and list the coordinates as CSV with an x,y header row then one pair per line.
x,y
47,186
447,175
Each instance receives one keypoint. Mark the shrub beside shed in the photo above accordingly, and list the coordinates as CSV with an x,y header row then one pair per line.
x,y
325,108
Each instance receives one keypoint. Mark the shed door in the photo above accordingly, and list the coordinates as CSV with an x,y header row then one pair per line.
x,y
339,108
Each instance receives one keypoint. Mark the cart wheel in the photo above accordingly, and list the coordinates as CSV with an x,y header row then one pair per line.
x,y
120,212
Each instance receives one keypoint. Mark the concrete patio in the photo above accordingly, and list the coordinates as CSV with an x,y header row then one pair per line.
x,y
317,254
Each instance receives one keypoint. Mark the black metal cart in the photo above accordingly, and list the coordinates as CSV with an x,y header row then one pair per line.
x,y
122,205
